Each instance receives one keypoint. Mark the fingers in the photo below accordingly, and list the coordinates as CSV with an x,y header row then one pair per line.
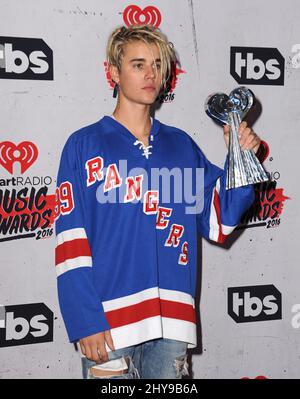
x,y
95,354
109,339
94,347
102,353
82,348
226,129
88,352
248,139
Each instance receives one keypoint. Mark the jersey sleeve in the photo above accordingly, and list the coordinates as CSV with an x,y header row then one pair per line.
x,y
222,209
80,305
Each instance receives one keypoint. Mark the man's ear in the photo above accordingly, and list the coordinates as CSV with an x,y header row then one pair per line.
x,y
114,73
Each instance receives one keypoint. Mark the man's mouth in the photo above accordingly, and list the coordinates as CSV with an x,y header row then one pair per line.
x,y
150,88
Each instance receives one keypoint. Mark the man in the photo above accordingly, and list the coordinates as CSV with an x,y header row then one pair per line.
x,y
127,268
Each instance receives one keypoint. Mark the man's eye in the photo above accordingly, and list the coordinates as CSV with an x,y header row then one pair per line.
x,y
138,66
156,66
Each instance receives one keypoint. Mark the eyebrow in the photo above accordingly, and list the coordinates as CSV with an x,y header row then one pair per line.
x,y
143,60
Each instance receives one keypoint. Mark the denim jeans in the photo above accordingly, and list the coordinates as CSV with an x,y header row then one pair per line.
x,y
158,358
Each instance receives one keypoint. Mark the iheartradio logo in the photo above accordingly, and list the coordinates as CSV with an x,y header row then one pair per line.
x,y
26,153
134,15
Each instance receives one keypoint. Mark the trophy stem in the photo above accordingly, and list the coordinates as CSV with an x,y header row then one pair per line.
x,y
244,168
236,173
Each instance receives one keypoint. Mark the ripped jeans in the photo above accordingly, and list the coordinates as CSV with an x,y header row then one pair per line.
x,y
158,358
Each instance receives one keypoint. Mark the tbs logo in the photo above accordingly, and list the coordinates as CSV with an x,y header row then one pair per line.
x,y
25,324
22,58
256,303
257,66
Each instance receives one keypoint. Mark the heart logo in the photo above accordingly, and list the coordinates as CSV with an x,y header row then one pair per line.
x,y
219,105
26,153
134,15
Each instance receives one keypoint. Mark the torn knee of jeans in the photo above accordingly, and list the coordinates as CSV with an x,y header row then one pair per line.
x,y
181,365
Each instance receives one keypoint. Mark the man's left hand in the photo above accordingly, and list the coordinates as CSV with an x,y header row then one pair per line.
x,y
247,138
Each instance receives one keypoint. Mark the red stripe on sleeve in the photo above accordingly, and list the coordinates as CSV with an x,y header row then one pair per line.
x,y
72,249
222,237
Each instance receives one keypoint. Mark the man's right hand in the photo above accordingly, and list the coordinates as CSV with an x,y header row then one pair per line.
x,y
93,346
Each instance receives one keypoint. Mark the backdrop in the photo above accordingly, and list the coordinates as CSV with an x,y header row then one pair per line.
x,y
53,81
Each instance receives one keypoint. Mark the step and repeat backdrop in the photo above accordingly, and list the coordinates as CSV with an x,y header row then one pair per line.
x,y
54,80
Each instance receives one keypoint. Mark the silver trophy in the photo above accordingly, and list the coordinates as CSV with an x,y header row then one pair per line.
x,y
243,168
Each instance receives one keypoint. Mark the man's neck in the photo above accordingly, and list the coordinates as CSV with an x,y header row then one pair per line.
x,y
137,122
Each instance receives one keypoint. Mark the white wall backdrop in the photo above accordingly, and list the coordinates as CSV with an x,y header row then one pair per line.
x,y
262,261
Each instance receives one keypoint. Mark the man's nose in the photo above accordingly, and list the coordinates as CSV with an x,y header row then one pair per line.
x,y
150,72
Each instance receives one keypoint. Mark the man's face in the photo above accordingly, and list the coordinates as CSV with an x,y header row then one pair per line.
x,y
139,78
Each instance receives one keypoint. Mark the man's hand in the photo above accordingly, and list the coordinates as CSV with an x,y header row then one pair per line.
x,y
248,139
93,346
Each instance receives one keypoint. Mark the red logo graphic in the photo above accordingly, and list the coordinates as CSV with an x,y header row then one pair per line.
x,y
259,377
26,153
271,203
267,207
174,78
167,95
20,213
134,15
108,77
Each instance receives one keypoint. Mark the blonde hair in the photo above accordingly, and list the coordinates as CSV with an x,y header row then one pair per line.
x,y
149,35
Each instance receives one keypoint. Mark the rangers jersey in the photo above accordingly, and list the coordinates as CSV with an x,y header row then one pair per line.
x,y
126,253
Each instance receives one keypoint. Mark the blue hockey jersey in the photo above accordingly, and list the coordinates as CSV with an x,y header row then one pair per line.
x,y
126,257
